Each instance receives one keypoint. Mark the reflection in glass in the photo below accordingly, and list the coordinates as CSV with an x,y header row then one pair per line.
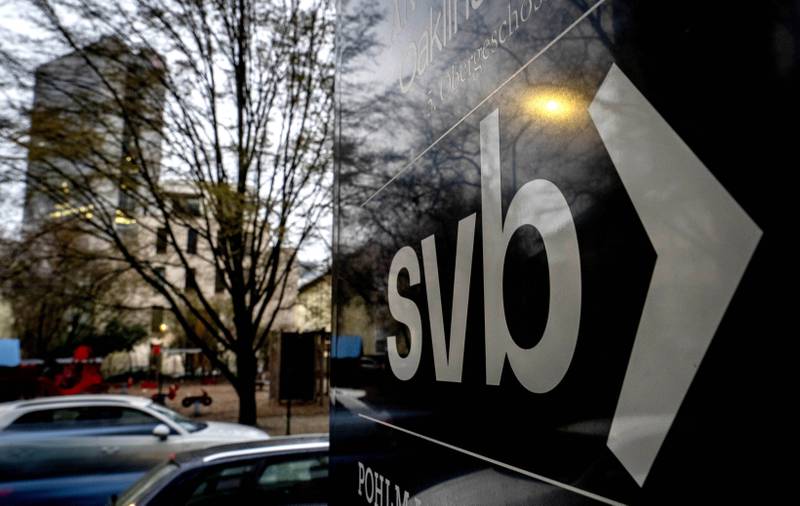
x,y
554,104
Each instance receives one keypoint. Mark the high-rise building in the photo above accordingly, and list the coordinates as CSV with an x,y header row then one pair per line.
x,y
97,114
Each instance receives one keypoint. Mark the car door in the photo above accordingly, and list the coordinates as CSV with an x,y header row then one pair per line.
x,y
95,438
47,442
124,439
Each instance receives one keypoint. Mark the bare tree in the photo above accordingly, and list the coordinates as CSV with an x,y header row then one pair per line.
x,y
208,116
61,296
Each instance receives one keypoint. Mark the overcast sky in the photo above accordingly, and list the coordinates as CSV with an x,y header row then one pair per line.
x,y
14,21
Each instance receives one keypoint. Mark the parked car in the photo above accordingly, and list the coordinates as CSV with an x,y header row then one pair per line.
x,y
77,490
92,434
281,471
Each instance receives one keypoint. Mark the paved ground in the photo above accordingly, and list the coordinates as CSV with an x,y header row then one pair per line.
x,y
306,418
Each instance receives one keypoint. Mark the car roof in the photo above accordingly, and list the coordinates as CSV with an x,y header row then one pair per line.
x,y
273,446
67,400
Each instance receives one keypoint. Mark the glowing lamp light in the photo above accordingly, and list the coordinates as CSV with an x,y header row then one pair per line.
x,y
123,220
163,327
553,104
120,218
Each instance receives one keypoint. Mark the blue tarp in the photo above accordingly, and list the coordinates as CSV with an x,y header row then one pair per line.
x,y
346,346
9,352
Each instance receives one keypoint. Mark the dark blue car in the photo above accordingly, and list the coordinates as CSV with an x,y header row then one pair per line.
x,y
279,471
86,490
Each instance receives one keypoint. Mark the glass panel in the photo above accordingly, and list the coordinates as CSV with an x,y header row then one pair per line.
x,y
143,485
98,419
296,480
217,484
551,241
292,472
186,423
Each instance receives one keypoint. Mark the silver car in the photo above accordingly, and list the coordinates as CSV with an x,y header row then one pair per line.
x,y
100,433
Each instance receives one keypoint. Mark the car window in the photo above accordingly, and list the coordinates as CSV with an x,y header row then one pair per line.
x,y
189,425
33,420
142,486
92,420
46,419
294,480
218,485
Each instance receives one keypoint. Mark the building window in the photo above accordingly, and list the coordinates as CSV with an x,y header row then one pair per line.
x,y
219,282
156,318
193,206
221,246
161,240
186,205
191,243
126,204
191,283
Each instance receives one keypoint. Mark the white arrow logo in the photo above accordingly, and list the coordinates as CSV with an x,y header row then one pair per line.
x,y
704,241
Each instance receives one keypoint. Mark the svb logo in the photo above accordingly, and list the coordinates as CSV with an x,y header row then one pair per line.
x,y
540,204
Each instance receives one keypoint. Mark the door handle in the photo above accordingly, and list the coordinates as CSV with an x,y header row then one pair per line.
x,y
109,450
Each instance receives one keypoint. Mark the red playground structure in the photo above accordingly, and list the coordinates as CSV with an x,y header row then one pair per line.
x,y
79,374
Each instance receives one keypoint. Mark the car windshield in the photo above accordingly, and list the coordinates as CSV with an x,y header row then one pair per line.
x,y
138,489
184,422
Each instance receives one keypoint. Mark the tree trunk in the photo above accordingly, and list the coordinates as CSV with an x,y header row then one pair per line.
x,y
246,387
